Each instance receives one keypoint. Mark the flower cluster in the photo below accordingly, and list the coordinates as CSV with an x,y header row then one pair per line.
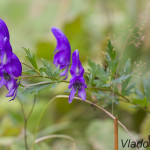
x,y
10,66
62,59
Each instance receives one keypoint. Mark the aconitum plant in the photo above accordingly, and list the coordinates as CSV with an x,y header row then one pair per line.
x,y
99,83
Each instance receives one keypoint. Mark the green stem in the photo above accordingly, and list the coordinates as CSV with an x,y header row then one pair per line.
x,y
25,126
102,89
39,76
41,83
86,101
31,68
26,118
115,92
122,97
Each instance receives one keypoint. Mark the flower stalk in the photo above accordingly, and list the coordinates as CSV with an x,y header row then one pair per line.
x,y
116,133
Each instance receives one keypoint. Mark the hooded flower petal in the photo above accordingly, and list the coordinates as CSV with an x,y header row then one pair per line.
x,y
65,73
62,41
76,68
2,82
5,47
77,82
11,86
8,73
4,33
60,59
63,51
72,94
82,93
14,66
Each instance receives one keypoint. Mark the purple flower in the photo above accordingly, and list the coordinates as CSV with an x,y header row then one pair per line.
x,y
8,74
10,66
63,52
77,82
5,47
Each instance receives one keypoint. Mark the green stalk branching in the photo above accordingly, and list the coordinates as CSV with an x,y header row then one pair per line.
x,y
26,118
120,96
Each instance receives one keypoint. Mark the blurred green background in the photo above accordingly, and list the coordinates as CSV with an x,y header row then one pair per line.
x,y
87,24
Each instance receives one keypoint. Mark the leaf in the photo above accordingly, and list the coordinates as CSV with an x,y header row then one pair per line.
x,y
31,58
122,78
92,65
102,74
96,72
111,58
29,72
42,71
37,88
56,72
126,85
92,70
48,68
139,94
110,50
128,89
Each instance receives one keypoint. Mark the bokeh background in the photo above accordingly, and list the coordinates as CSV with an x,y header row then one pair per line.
x,y
87,24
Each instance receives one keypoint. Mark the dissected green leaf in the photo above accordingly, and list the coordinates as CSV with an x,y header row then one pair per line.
x,y
111,59
110,50
42,71
48,68
29,72
31,58
93,69
96,72
122,78
37,88
56,72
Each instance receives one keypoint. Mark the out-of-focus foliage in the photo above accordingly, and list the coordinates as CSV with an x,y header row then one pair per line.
x,y
87,24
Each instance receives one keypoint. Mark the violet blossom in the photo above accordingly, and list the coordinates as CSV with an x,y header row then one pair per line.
x,y
77,82
10,65
5,47
62,52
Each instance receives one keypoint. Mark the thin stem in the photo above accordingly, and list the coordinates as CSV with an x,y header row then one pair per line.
x,y
115,92
57,136
31,68
122,97
116,133
39,76
41,83
25,126
32,107
102,89
104,110
26,118
86,101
